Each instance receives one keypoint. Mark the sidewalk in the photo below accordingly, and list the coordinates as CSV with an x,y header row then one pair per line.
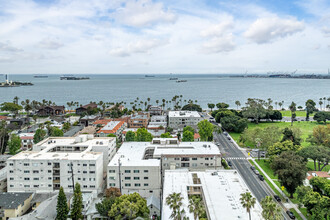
x,y
287,205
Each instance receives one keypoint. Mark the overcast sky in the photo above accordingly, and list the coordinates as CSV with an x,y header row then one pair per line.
x,y
169,36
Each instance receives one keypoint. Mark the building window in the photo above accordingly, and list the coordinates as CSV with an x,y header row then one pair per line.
x,y
26,178
91,171
84,171
112,178
127,177
206,158
92,186
136,171
127,171
85,186
11,178
11,186
165,164
49,171
49,178
13,171
146,184
194,158
137,184
36,178
26,164
92,165
146,178
112,184
85,165
194,165
11,164
136,178
36,186
146,171
112,171
26,186
127,184
35,171
49,164
176,158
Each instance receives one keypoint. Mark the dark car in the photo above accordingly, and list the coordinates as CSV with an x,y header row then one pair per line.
x,y
252,168
261,177
229,163
290,214
228,138
277,198
225,133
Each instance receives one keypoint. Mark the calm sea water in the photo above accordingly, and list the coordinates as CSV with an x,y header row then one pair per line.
x,y
203,88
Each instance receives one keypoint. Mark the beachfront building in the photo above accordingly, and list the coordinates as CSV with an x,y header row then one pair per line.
x,y
180,119
53,162
51,110
85,108
139,120
220,191
137,166
155,110
113,127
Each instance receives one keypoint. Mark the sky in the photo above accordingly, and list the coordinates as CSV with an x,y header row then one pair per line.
x,y
169,36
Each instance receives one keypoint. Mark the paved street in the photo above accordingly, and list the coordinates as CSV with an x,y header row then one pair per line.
x,y
239,161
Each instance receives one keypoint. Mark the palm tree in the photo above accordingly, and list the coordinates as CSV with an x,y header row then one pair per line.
x,y
320,103
248,202
237,103
293,109
174,201
16,100
280,104
276,105
148,101
195,206
270,210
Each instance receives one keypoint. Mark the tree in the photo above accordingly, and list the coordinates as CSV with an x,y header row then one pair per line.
x,y
14,144
317,205
188,128
234,123
77,205
293,109
211,106
321,135
223,113
112,192
142,135
237,103
56,132
318,154
248,202
292,135
166,135
62,208
290,169
275,115
195,206
174,201
130,136
270,210
222,105
188,136
310,108
321,117
255,109
104,207
39,135
192,107
129,206
280,147
320,185
205,130
4,136
11,107
66,126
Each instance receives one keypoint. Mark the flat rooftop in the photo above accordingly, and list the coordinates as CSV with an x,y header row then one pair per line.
x,y
221,190
183,114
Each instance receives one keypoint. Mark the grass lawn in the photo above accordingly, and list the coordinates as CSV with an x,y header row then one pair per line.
x,y
287,113
295,214
306,128
310,166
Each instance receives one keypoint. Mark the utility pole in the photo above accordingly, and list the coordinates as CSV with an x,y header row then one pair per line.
x,y
72,176
119,174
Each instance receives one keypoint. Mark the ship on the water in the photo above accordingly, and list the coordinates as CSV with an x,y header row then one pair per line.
x,y
149,75
182,80
73,78
40,76
174,78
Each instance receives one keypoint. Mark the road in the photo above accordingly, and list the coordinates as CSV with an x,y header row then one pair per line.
x,y
260,189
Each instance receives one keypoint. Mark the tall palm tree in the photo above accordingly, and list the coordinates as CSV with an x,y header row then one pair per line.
x,y
195,206
16,100
174,201
320,103
237,103
270,210
276,105
293,109
248,202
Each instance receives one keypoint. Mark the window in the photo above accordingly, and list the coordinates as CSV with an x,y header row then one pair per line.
x,y
206,164
49,185
165,164
69,186
26,186
11,185
176,158
112,171
85,165
49,178
92,165
26,164
151,191
13,171
112,178
35,171
146,184
127,184
79,178
49,171
206,158
71,171
11,178
194,165
36,178
112,184
49,164
91,171
136,171
137,184
146,178
84,171
36,186
92,186
127,171
85,186
127,177
146,171
136,178
194,158
11,164
26,178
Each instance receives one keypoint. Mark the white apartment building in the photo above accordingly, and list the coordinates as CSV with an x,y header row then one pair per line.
x,y
54,161
219,189
142,163
180,119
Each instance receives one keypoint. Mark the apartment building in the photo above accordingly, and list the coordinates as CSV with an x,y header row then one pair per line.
x,y
220,191
14,204
138,166
113,127
55,161
155,110
139,120
180,119
158,120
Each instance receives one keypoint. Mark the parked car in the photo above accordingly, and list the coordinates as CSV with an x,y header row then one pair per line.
x,y
290,214
256,172
252,168
228,138
261,177
225,133
277,198
229,163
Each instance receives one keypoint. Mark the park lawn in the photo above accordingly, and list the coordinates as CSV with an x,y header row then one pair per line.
x,y
310,166
287,113
295,214
306,128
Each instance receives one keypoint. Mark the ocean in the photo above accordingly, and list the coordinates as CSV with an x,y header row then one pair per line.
x,y
203,88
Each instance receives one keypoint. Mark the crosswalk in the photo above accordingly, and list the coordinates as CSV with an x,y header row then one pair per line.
x,y
235,158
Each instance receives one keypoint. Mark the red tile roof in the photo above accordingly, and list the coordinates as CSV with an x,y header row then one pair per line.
x,y
114,130
26,137
318,173
3,117
102,121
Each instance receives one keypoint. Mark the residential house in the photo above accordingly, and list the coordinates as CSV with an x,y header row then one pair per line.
x,y
26,140
51,111
83,109
113,127
88,120
14,204
139,120
155,110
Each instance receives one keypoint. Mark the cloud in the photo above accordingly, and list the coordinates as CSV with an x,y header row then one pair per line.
x,y
326,31
142,13
219,44
265,30
141,46
7,48
50,44
218,29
